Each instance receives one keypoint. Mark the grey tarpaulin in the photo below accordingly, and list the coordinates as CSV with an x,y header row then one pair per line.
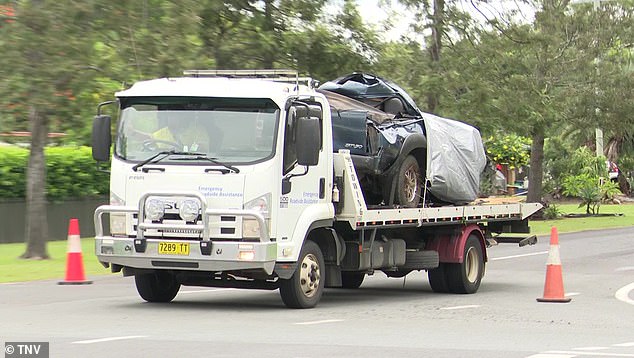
x,y
455,159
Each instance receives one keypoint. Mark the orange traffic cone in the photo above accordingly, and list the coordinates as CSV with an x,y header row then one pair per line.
x,y
554,286
74,261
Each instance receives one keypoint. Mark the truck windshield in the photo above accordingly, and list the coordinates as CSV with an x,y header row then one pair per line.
x,y
229,130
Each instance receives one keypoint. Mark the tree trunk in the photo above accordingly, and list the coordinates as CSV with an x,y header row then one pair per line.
x,y
536,174
36,221
268,57
437,29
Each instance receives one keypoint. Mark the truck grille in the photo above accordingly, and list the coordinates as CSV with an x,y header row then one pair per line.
x,y
226,228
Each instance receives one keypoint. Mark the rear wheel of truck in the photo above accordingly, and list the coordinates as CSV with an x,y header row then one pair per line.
x,y
409,183
352,279
465,277
305,287
438,278
157,286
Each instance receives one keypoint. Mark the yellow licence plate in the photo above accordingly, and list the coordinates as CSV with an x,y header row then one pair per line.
x,y
173,248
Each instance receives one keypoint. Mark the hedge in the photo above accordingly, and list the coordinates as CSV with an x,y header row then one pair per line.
x,y
70,173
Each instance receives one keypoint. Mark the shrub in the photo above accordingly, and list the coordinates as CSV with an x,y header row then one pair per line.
x,y
591,190
551,212
510,149
70,173
13,162
561,162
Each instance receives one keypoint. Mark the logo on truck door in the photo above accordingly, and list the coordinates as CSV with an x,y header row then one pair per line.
x,y
305,199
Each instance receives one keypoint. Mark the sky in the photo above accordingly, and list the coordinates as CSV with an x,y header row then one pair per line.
x,y
373,13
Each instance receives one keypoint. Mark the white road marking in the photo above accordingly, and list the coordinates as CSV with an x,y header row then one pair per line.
x,y
594,354
517,256
549,355
625,268
459,307
318,322
570,294
107,339
623,294
627,344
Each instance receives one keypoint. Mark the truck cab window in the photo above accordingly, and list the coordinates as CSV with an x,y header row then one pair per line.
x,y
238,131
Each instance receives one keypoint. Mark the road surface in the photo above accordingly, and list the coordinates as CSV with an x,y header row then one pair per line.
x,y
384,318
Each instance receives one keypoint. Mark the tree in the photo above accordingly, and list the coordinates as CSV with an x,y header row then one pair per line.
x,y
36,62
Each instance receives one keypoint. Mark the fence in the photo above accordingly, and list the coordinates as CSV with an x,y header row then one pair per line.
x,y
13,218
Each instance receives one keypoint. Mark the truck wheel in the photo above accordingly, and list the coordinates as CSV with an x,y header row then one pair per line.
x,y
465,277
305,287
438,278
409,183
352,279
157,286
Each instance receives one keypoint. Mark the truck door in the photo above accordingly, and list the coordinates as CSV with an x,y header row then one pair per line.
x,y
305,195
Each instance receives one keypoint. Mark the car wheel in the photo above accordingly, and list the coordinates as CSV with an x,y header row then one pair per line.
x,y
409,183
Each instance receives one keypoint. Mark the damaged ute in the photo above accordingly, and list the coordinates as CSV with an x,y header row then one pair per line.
x,y
403,156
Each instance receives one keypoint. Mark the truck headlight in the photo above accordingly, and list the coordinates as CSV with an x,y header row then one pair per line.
x,y
154,209
189,210
250,226
117,224
117,220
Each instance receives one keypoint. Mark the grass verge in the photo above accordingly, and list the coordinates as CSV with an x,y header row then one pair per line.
x,y
542,227
14,269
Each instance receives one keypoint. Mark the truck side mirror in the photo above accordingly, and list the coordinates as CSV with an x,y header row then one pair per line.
x,y
308,140
101,138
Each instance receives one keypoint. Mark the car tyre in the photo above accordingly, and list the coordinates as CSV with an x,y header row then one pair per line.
x,y
409,183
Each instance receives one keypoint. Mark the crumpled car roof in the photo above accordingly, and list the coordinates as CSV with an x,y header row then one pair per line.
x,y
366,87
343,103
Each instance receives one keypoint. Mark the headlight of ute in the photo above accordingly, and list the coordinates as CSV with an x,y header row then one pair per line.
x,y
154,209
250,226
189,210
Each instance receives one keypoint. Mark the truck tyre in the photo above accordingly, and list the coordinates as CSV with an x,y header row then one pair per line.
x,y
352,279
438,278
305,287
157,286
409,183
465,277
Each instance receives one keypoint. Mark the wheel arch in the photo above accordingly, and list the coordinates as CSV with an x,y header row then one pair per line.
x,y
450,244
416,145
331,245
